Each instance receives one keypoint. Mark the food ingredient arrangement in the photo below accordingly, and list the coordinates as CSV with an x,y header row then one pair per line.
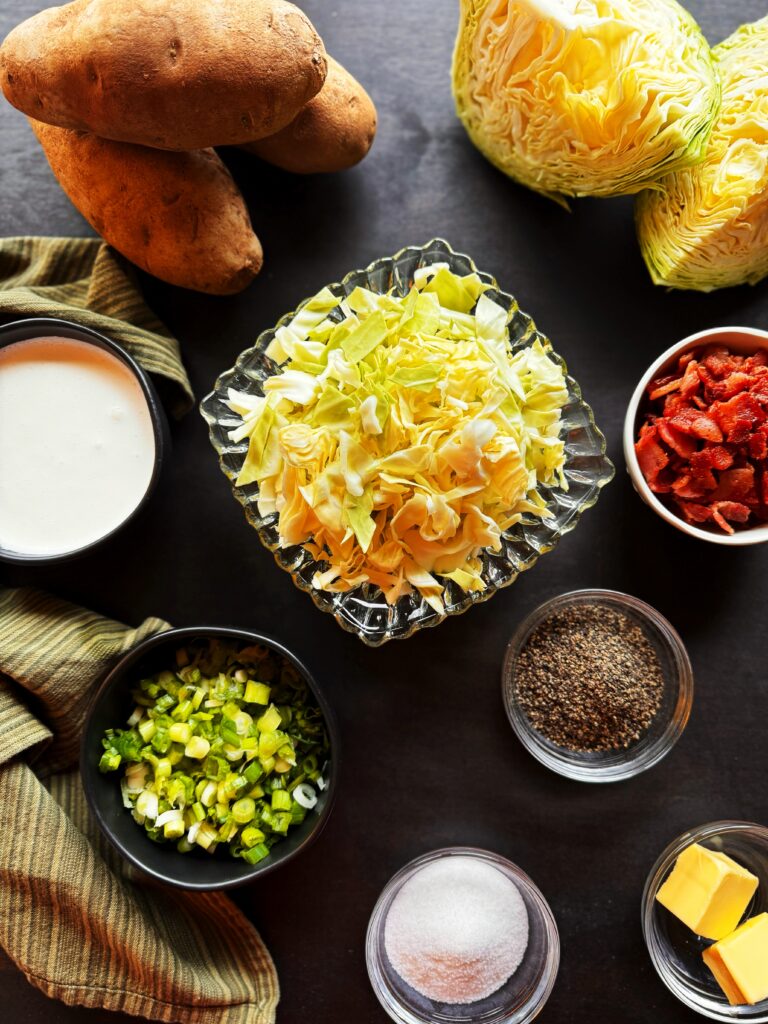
x,y
710,893
579,98
127,103
225,748
703,442
401,435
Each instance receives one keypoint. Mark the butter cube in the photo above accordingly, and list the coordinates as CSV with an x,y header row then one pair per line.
x,y
708,891
740,962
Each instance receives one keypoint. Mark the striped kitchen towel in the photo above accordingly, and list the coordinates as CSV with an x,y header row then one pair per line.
x,y
72,917
83,280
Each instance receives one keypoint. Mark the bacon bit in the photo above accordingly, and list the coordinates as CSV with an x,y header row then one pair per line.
x,y
736,485
679,442
734,384
758,447
665,389
723,510
720,361
733,415
652,457
690,381
705,437
759,389
697,424
687,487
718,455
695,513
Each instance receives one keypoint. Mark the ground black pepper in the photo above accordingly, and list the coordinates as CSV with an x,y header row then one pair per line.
x,y
588,678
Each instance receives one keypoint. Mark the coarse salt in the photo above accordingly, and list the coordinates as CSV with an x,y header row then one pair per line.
x,y
457,930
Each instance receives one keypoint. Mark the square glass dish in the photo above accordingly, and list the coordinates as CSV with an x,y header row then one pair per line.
x,y
364,611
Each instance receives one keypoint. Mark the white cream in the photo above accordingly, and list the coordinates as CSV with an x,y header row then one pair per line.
x,y
77,446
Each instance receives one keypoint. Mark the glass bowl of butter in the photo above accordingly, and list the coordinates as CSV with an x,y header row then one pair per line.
x,y
705,920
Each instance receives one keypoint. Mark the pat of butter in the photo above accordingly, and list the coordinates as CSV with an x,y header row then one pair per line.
x,y
740,962
708,891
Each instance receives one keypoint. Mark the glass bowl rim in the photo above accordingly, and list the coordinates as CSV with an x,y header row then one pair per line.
x,y
571,764
551,963
712,1010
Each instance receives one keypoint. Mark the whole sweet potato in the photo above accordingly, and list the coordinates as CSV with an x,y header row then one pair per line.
x,y
178,216
174,74
334,131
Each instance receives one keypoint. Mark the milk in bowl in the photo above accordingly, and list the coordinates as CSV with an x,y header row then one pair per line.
x,y
77,445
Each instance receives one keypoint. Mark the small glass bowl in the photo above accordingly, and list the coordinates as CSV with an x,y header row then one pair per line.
x,y
363,611
674,949
516,1002
668,724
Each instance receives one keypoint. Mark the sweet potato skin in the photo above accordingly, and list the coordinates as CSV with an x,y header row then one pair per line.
x,y
334,131
178,216
173,74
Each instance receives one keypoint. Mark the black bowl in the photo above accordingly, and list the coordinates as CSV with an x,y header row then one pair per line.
x,y
110,709
40,327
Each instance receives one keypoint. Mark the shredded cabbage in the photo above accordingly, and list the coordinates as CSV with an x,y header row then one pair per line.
x,y
584,97
708,226
402,436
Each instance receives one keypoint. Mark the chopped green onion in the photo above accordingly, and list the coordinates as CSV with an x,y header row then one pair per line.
x,y
180,732
197,748
256,693
201,778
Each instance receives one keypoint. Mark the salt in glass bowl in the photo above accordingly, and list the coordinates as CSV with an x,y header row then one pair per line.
x,y
674,949
518,1001
364,611
668,724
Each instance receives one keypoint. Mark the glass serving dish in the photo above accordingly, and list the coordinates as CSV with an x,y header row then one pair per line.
x,y
364,611
668,724
520,998
674,949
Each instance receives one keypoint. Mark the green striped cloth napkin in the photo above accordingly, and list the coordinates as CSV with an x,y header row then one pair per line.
x,y
71,916
83,280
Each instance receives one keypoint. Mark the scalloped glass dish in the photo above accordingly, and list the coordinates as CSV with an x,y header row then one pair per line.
x,y
364,611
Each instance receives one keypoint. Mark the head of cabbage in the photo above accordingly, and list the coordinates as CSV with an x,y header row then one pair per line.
x,y
708,226
584,97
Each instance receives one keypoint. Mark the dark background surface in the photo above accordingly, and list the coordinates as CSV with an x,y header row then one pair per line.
x,y
429,759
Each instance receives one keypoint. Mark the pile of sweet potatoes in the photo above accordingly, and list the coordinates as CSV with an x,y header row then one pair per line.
x,y
129,99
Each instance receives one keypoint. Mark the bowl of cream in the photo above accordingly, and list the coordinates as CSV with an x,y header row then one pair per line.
x,y
81,439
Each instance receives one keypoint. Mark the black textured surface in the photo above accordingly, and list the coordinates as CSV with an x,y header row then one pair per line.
x,y
429,759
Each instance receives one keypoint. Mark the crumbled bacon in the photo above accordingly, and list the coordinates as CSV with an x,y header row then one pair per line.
x,y
704,441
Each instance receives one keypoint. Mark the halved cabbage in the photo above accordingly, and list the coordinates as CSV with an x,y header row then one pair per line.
x,y
584,97
708,228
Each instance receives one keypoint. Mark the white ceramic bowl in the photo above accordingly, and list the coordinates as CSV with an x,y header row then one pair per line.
x,y
738,339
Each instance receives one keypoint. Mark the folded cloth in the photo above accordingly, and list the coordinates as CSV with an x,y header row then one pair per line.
x,y
83,280
71,918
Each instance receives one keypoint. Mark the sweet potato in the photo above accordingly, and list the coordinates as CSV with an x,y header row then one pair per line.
x,y
334,131
178,216
174,74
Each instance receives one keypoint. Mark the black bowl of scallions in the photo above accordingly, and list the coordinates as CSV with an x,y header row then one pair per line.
x,y
209,756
